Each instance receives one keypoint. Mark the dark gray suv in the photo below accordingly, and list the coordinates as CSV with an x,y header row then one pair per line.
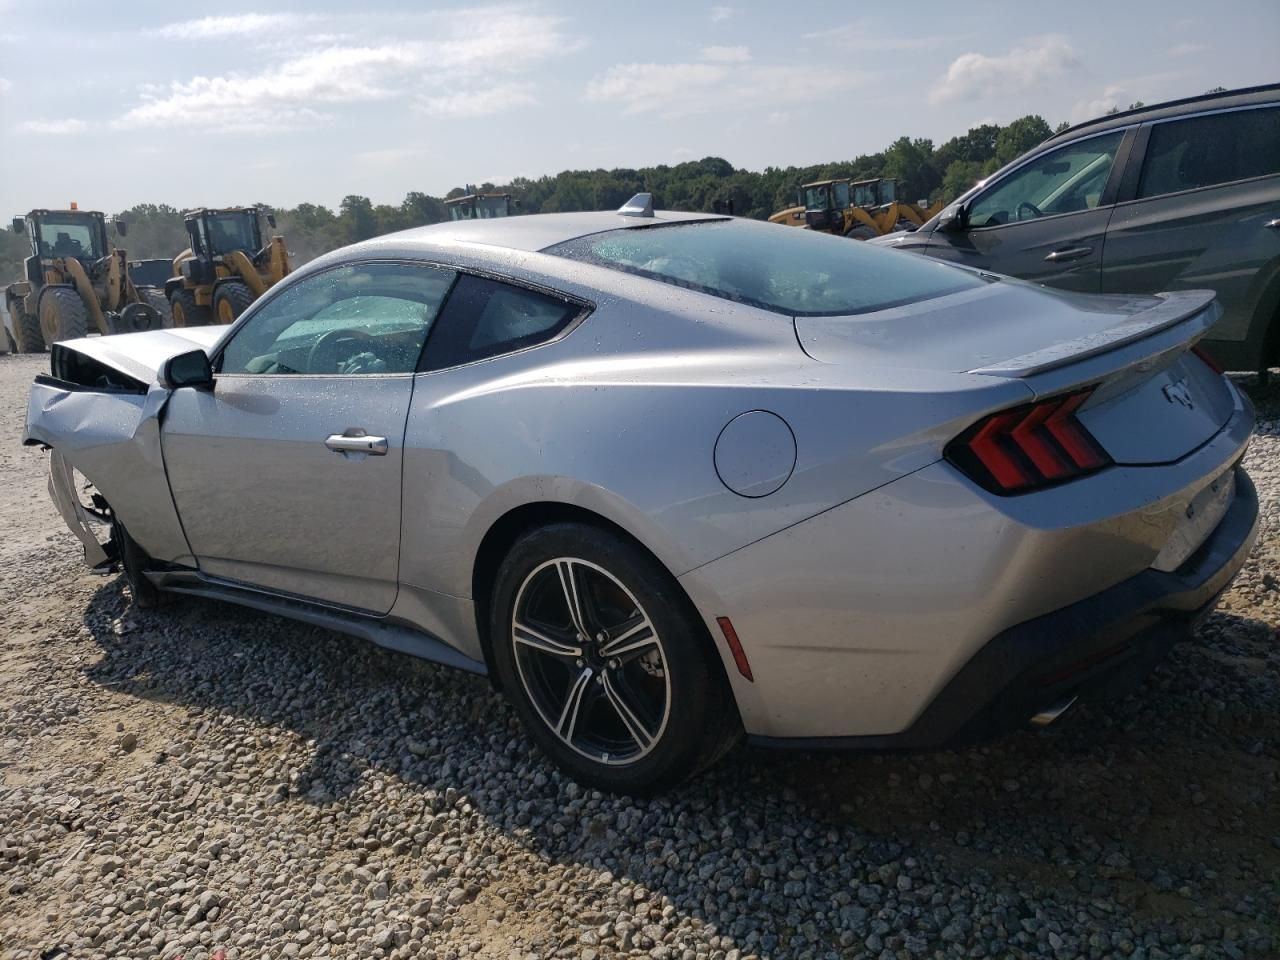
x,y
1176,196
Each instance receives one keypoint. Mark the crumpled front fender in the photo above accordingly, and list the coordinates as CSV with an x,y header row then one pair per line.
x,y
113,439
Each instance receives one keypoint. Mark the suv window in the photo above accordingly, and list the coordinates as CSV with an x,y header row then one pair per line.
x,y
485,318
1066,180
1203,151
366,318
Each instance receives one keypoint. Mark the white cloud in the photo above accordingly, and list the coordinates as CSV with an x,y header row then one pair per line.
x,y
857,36
488,100
683,89
1187,49
283,96
719,14
5,86
1097,106
53,127
211,28
726,54
461,69
974,75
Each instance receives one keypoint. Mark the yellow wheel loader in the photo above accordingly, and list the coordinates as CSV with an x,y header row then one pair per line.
x,y
859,209
75,283
481,206
226,267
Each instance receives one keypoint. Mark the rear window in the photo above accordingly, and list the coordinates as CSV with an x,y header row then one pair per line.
x,y
783,269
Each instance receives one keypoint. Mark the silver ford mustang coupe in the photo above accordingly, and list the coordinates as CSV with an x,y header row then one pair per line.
x,y
670,478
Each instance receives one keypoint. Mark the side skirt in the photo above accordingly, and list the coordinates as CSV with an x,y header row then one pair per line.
x,y
385,633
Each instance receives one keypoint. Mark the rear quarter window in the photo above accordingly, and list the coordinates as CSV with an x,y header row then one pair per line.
x,y
486,318
784,269
1209,150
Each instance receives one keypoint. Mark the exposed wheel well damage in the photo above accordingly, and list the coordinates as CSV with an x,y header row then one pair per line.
x,y
514,524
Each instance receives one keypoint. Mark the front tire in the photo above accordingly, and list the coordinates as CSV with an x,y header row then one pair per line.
x,y
133,561
63,315
185,312
26,334
230,300
607,663
158,302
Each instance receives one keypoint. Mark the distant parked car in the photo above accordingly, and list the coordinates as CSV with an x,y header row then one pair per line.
x,y
1177,196
671,477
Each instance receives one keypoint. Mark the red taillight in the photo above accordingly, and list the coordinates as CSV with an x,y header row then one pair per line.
x,y
1209,362
1029,447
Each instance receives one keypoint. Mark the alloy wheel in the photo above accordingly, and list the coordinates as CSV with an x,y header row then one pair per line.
x,y
591,661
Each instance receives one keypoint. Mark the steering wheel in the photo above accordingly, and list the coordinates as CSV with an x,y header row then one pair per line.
x,y
323,356
1035,211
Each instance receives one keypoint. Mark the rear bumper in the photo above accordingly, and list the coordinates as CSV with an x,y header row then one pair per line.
x,y
1095,647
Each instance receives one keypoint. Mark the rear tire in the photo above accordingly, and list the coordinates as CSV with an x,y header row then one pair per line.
x,y
185,312
230,300
861,232
63,315
26,336
133,561
644,708
159,302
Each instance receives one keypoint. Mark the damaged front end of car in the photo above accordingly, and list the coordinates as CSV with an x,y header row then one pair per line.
x,y
98,412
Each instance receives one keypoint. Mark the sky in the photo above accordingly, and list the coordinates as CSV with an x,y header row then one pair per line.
x,y
219,104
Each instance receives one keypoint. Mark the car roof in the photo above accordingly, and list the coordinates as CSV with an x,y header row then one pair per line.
x,y
1244,97
534,232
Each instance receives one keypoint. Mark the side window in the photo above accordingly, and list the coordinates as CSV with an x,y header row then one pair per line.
x,y
368,318
1203,151
1066,180
485,318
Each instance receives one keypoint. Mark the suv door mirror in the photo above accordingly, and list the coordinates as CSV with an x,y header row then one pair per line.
x,y
190,369
954,219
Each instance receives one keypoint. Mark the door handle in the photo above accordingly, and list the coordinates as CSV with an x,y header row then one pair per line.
x,y
1068,253
1273,225
355,440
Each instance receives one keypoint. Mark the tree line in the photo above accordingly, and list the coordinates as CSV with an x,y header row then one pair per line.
x,y
922,170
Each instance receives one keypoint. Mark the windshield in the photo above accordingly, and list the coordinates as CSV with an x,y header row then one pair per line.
x,y
66,235
815,198
864,195
793,272
232,231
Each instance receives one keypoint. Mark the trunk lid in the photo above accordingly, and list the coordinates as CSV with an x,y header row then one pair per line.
x,y
1154,401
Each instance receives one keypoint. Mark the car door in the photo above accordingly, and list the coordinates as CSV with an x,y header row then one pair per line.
x,y
1204,212
286,475
1043,221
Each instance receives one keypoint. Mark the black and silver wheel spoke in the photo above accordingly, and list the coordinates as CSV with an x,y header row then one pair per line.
x,y
591,661
568,721
633,639
573,596
539,640
643,738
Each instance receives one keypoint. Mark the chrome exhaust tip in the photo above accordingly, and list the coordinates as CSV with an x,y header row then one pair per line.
x,y
1052,713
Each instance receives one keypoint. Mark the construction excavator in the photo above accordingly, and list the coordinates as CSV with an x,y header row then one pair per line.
x,y
859,209
226,267
75,283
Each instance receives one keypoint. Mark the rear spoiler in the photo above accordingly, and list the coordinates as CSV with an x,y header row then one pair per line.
x,y
1196,309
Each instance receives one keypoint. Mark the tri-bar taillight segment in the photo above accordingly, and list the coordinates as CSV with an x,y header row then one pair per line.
x,y
1029,447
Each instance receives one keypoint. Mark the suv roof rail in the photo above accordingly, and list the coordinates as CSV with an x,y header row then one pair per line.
x,y
1151,107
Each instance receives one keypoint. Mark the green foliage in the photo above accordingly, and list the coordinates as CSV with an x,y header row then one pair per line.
x,y
310,229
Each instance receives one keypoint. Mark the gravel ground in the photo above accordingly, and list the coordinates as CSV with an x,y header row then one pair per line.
x,y
203,778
